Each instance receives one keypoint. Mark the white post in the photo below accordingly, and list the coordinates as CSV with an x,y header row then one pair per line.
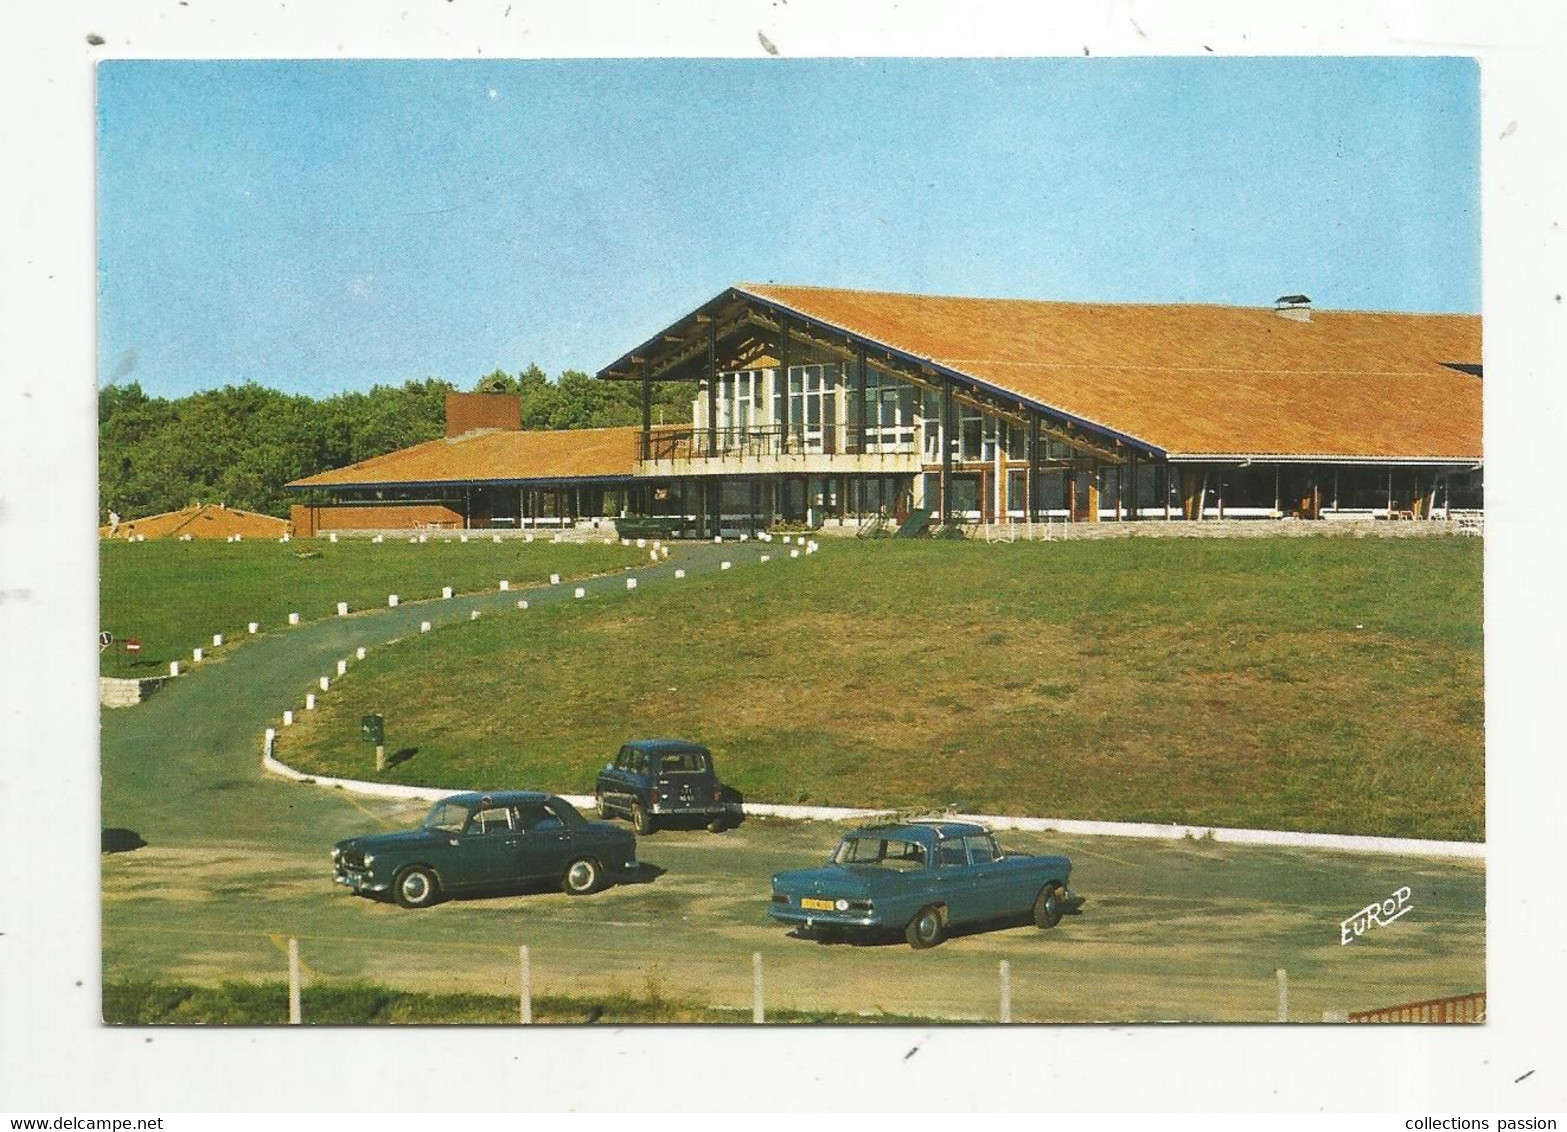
x,y
268,740
342,609
325,683
1284,994
580,592
310,701
758,1013
765,558
359,653
554,579
794,552
473,615
446,593
174,668
525,981
505,585
631,583
342,668
725,565
424,626
195,655
253,627
288,718
1006,991
332,537
293,619
217,640
391,601
294,1014
680,573
523,604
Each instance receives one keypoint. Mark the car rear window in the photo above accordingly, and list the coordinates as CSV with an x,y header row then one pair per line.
x,y
682,762
888,852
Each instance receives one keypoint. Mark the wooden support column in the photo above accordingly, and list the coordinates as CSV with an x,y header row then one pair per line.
x,y
712,389
783,388
856,396
1129,488
1031,491
946,447
1189,501
1093,492
647,409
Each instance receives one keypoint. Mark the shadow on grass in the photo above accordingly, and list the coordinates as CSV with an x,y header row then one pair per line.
x,y
117,840
398,757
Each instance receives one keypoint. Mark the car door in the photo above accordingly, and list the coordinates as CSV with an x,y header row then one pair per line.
x,y
992,882
615,781
487,851
545,842
955,881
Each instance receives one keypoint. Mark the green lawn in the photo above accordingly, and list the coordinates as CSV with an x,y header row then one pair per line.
x,y
1330,685
173,596
140,1003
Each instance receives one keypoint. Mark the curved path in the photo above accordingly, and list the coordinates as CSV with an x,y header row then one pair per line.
x,y
236,862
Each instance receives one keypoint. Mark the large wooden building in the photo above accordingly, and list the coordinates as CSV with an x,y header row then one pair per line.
x,y
830,406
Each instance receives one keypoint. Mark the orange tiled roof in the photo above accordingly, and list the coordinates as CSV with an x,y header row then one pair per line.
x,y
200,520
494,455
1195,379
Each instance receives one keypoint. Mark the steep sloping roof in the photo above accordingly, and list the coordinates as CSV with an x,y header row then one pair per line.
x,y
493,456
200,520
1194,379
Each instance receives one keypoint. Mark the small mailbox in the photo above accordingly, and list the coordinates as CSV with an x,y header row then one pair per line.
x,y
372,730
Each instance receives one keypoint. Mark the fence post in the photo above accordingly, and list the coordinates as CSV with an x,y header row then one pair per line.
x,y
758,1013
1284,994
294,1017
1006,991
525,973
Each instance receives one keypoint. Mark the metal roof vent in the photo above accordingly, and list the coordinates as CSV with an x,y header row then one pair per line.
x,y
1297,308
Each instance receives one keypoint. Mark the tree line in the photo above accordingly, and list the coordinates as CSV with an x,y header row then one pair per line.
x,y
240,444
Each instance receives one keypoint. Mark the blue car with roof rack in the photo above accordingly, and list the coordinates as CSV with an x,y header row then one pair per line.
x,y
921,878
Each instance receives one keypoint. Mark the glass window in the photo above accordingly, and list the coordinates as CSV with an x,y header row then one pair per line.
x,y
887,853
981,849
950,854
491,819
448,817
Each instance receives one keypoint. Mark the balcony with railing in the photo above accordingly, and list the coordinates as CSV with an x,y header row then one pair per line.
x,y
776,448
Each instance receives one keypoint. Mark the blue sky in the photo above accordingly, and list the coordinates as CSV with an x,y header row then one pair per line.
x,y
324,226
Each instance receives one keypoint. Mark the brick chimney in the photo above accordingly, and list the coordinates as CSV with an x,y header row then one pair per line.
x,y
466,412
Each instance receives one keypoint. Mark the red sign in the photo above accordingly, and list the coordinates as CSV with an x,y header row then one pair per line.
x,y
132,645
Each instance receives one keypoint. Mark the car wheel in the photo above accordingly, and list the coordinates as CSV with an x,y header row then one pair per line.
x,y
598,802
1048,906
924,929
641,820
582,877
416,887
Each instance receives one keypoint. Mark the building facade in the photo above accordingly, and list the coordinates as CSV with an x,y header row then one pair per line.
x,y
821,407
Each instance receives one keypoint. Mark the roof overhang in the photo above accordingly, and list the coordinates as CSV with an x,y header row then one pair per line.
x,y
682,342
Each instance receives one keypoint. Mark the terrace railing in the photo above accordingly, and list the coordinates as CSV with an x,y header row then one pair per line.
x,y
686,444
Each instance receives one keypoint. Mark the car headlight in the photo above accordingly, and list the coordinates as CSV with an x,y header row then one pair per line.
x,y
369,860
841,904
337,854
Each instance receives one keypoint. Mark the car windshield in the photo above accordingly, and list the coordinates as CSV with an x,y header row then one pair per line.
x,y
448,817
884,852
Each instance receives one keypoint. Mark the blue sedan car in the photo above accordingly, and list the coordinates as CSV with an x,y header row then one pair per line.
x,y
921,879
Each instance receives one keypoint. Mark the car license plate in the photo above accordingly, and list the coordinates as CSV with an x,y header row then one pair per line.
x,y
816,903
